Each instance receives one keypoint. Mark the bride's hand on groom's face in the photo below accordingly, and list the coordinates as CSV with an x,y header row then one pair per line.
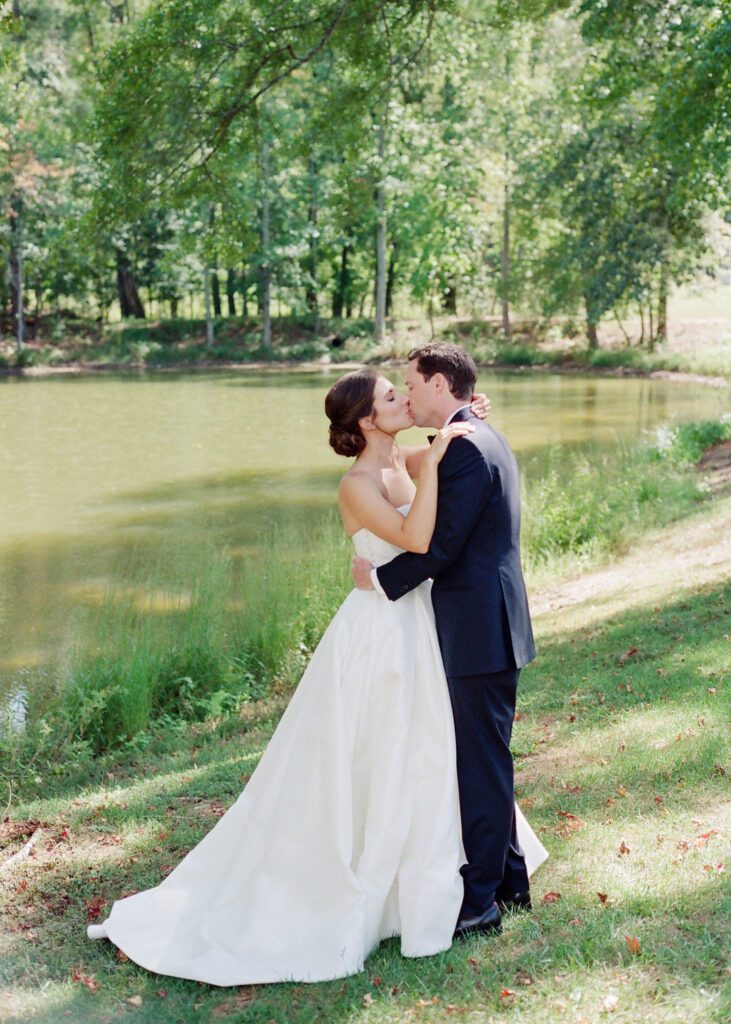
x,y
360,570
481,406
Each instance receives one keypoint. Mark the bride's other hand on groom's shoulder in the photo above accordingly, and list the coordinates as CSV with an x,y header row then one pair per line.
x,y
360,570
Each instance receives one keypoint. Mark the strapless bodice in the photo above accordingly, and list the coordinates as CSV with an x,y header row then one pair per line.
x,y
376,550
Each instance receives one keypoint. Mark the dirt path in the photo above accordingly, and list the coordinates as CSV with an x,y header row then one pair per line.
x,y
687,555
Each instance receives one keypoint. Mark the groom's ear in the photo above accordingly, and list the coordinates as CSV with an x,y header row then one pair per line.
x,y
440,382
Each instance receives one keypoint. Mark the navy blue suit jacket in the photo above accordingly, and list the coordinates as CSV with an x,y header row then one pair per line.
x,y
479,597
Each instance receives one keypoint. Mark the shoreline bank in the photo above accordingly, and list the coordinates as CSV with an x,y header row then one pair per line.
x,y
312,366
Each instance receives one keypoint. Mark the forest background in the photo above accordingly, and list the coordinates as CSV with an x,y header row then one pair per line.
x,y
206,164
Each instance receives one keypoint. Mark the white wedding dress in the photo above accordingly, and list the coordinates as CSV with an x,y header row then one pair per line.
x,y
348,831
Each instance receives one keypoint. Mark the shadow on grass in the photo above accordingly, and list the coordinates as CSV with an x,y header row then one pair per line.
x,y
605,751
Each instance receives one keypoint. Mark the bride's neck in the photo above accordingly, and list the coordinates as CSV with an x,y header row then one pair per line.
x,y
381,448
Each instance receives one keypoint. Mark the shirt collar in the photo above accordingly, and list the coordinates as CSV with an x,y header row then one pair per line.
x,y
453,414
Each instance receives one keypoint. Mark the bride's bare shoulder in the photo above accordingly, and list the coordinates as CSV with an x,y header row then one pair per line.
x,y
357,482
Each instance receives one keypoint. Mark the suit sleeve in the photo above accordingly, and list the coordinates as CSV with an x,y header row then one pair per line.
x,y
465,485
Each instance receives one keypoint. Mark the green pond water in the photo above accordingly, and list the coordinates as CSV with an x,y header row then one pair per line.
x,y
98,474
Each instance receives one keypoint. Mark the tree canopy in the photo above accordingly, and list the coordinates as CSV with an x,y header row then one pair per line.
x,y
345,155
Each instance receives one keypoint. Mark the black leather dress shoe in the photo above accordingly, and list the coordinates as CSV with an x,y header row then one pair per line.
x,y
490,921
515,901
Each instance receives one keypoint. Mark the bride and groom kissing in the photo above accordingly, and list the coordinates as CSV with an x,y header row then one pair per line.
x,y
383,804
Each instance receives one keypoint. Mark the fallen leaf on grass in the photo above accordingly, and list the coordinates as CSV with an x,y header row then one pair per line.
x,y
623,849
135,1001
551,897
94,907
719,868
161,993
367,1000
472,962
507,993
569,823
610,1002
602,897
376,982
621,791
232,1004
629,653
633,945
698,842
88,980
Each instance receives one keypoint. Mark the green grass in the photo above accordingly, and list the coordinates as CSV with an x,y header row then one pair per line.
x,y
614,751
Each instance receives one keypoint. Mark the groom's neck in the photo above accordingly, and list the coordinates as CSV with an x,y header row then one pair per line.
x,y
445,408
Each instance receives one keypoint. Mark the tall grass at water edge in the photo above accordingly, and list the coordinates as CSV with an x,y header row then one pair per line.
x,y
196,638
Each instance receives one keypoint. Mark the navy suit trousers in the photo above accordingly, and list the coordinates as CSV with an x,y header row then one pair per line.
x,y
484,708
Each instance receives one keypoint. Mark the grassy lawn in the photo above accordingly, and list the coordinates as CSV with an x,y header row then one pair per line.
x,y
620,744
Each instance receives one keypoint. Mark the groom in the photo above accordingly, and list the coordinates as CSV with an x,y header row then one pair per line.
x,y
482,619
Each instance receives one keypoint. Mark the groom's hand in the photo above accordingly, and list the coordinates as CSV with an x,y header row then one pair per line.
x,y
360,570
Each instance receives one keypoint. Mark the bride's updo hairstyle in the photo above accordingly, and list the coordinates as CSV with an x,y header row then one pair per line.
x,y
347,401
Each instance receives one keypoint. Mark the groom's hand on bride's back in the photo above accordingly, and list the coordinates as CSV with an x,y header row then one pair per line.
x,y
360,570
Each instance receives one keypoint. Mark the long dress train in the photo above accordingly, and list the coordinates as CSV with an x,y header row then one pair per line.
x,y
347,832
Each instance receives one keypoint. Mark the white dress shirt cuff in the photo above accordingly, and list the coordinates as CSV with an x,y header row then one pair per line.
x,y
376,583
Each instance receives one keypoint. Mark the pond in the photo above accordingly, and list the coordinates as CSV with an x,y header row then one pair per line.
x,y
99,474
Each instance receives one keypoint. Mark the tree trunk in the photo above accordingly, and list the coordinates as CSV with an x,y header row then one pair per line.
x,y
213,274
311,288
505,246
341,294
210,334
662,305
244,292
16,269
174,308
390,278
216,292
449,299
266,270
231,292
380,331
130,304
591,323
505,262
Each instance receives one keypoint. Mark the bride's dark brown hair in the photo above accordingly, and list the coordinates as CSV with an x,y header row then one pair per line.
x,y
347,401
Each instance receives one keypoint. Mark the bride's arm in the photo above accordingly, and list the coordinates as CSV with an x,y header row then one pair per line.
x,y
413,455
360,497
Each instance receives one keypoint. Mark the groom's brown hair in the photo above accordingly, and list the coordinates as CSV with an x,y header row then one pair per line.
x,y
450,360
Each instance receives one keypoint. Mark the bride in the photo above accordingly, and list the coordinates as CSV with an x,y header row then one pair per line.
x,y
348,831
